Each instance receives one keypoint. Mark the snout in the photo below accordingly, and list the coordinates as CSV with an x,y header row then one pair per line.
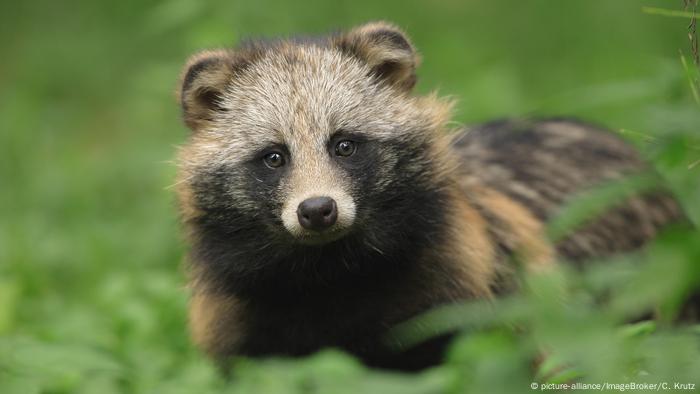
x,y
318,217
317,213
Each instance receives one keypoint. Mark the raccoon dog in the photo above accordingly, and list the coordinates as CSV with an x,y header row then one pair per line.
x,y
325,203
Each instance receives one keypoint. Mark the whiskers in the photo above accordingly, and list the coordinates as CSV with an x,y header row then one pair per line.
x,y
181,181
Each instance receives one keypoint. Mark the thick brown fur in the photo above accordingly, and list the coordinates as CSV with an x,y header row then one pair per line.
x,y
426,216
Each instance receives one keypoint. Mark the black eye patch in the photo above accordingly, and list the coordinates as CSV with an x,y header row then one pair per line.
x,y
265,171
346,148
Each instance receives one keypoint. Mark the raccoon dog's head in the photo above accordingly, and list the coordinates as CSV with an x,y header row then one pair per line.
x,y
300,144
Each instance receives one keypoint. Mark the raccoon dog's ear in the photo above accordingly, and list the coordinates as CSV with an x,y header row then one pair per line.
x,y
386,49
203,85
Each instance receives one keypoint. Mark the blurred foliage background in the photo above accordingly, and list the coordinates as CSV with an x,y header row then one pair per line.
x,y
92,296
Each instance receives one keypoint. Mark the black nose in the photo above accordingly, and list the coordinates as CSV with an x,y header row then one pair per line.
x,y
317,213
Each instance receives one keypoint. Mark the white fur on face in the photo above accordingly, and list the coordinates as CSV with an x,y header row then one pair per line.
x,y
314,175
346,214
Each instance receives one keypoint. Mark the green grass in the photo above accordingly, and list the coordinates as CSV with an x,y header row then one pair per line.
x,y
92,296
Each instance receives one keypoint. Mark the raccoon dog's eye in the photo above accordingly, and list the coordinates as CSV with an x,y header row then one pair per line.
x,y
274,160
345,148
